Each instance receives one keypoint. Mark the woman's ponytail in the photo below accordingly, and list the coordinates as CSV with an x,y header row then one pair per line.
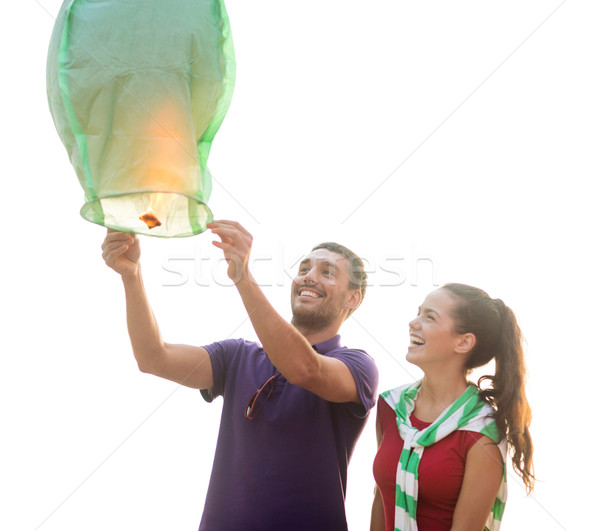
x,y
507,394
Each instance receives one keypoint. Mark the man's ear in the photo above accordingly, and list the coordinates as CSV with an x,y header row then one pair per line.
x,y
466,343
353,300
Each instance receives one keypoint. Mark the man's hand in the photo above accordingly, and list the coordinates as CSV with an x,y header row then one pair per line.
x,y
236,243
121,252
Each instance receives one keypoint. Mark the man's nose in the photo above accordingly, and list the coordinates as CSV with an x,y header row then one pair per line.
x,y
310,277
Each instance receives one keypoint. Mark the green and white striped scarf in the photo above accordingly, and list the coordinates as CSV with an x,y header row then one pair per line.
x,y
469,412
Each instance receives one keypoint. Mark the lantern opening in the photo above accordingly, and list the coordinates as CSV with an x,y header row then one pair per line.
x,y
163,214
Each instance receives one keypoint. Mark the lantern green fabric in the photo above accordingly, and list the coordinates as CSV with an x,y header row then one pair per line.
x,y
137,90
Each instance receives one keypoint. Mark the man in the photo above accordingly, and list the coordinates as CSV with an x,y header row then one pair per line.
x,y
293,408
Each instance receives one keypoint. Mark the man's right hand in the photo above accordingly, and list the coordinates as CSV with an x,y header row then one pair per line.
x,y
121,252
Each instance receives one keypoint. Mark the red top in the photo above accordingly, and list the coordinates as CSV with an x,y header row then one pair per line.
x,y
441,471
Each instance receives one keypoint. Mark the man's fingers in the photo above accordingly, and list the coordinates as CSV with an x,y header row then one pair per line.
x,y
113,236
109,246
220,245
232,234
234,225
226,222
113,252
112,233
115,247
227,235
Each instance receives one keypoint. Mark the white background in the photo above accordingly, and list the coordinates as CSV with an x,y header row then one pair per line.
x,y
442,141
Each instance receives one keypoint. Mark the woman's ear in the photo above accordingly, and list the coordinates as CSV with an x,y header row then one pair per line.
x,y
466,343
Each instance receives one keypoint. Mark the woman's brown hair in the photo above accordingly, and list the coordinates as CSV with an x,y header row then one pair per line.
x,y
498,337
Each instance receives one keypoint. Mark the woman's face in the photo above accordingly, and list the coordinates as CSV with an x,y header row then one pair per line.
x,y
433,339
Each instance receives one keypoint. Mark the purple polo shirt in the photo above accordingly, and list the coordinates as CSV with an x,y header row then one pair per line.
x,y
286,468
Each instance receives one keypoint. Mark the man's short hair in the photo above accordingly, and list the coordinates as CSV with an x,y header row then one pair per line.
x,y
356,267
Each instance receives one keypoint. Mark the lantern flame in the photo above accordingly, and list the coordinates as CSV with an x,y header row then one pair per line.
x,y
157,209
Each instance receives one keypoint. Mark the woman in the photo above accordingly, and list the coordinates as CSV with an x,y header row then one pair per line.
x,y
442,441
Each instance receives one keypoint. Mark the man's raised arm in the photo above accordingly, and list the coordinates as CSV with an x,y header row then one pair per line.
x,y
184,364
289,350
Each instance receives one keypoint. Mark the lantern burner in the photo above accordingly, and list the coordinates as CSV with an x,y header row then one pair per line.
x,y
150,219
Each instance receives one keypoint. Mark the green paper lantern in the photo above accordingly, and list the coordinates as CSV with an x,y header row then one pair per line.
x,y
138,90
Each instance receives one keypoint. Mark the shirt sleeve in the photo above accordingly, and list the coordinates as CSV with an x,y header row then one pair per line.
x,y
468,440
366,377
221,354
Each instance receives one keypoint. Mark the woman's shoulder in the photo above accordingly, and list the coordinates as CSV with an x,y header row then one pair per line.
x,y
401,393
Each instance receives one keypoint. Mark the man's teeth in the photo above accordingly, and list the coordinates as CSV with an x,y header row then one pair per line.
x,y
416,340
308,294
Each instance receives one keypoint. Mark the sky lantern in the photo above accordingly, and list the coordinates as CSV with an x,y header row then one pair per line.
x,y
138,90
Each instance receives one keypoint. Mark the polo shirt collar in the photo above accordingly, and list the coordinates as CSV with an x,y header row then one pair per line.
x,y
327,346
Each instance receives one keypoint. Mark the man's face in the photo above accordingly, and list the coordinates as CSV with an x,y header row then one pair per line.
x,y
320,290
